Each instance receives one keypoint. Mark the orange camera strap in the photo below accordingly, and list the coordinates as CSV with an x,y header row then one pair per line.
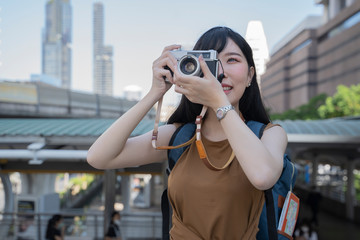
x,y
199,145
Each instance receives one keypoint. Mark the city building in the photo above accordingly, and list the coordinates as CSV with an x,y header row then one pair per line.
x,y
132,93
45,79
57,38
102,55
320,53
256,38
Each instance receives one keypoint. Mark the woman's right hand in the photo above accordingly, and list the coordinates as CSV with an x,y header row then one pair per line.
x,y
166,59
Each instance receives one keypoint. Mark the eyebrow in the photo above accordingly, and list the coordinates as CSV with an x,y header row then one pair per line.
x,y
233,53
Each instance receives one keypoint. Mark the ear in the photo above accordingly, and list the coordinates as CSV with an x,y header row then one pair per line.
x,y
251,74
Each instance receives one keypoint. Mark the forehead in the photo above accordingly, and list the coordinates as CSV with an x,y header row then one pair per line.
x,y
231,46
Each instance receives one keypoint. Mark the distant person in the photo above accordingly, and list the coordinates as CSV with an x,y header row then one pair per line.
x,y
55,229
307,172
313,201
305,231
114,232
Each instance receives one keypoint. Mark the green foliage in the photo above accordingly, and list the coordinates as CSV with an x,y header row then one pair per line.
x,y
77,184
304,112
345,102
357,185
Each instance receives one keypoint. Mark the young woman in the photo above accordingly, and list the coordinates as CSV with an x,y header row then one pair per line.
x,y
114,232
54,230
206,204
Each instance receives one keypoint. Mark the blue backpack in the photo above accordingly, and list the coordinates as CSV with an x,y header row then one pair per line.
x,y
274,197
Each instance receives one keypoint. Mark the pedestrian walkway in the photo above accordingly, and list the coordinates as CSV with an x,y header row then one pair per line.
x,y
332,227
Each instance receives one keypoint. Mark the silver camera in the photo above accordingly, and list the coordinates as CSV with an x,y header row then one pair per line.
x,y
188,61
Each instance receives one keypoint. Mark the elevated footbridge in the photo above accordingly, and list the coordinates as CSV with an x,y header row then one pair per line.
x,y
60,145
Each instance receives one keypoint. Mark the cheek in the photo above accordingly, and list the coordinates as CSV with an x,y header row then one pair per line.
x,y
240,73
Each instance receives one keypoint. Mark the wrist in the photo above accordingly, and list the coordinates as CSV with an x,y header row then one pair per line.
x,y
222,111
220,103
155,93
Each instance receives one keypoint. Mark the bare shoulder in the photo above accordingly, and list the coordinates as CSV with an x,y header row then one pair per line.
x,y
275,131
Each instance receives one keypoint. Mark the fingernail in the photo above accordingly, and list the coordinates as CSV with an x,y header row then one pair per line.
x,y
201,57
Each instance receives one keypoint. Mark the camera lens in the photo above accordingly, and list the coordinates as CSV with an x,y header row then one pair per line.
x,y
189,65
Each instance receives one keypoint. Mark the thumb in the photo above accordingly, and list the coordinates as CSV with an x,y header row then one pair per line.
x,y
204,67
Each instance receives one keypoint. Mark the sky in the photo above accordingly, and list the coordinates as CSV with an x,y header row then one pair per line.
x,y
138,30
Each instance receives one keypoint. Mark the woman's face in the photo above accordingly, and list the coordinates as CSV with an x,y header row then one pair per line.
x,y
236,70
58,223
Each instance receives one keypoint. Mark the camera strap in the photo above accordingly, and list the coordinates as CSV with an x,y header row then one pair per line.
x,y
197,138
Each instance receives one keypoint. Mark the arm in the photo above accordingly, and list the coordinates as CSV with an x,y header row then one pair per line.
x,y
268,152
114,148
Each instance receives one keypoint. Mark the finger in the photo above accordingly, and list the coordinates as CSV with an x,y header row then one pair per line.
x,y
171,57
163,73
179,78
166,75
171,62
204,67
171,47
180,89
182,79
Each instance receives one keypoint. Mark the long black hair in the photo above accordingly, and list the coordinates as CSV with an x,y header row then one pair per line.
x,y
250,104
113,214
51,225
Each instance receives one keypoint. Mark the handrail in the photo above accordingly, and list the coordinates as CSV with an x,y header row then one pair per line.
x,y
88,225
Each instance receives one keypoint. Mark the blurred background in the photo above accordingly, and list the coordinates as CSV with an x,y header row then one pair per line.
x,y
68,69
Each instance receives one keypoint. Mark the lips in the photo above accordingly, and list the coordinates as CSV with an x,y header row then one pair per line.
x,y
226,88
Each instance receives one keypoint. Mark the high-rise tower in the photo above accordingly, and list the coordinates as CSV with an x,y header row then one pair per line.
x,y
57,37
255,36
102,58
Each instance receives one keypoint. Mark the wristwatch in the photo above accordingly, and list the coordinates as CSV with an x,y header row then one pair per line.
x,y
221,111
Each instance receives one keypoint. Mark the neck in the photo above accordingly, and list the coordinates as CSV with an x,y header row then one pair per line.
x,y
211,127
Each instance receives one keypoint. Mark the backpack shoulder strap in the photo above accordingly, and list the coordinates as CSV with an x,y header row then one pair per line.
x,y
182,134
256,127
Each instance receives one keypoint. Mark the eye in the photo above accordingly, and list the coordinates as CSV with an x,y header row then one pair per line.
x,y
231,60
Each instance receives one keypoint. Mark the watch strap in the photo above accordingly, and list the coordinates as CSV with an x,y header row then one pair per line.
x,y
223,110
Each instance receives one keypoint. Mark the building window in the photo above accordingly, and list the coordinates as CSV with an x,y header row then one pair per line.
x,y
301,46
342,4
348,23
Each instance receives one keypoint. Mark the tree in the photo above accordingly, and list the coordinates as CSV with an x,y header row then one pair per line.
x,y
304,112
345,102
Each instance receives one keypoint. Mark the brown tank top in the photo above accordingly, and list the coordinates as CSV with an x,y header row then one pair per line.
x,y
211,204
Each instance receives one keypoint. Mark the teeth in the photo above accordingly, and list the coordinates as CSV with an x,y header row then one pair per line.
x,y
227,88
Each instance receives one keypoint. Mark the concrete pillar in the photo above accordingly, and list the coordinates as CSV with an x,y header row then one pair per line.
x,y
8,205
350,190
315,166
334,8
37,184
109,186
125,190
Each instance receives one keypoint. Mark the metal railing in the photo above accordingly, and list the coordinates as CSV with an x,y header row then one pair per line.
x,y
89,226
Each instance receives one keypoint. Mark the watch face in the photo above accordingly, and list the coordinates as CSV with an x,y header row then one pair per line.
x,y
220,113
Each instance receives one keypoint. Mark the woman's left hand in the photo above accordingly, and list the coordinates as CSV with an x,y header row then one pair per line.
x,y
206,90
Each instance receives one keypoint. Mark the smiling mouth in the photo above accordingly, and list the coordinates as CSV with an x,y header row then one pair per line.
x,y
227,88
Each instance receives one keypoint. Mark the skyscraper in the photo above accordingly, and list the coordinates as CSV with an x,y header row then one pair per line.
x,y
255,36
57,37
102,58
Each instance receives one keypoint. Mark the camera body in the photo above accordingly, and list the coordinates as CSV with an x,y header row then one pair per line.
x,y
188,61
